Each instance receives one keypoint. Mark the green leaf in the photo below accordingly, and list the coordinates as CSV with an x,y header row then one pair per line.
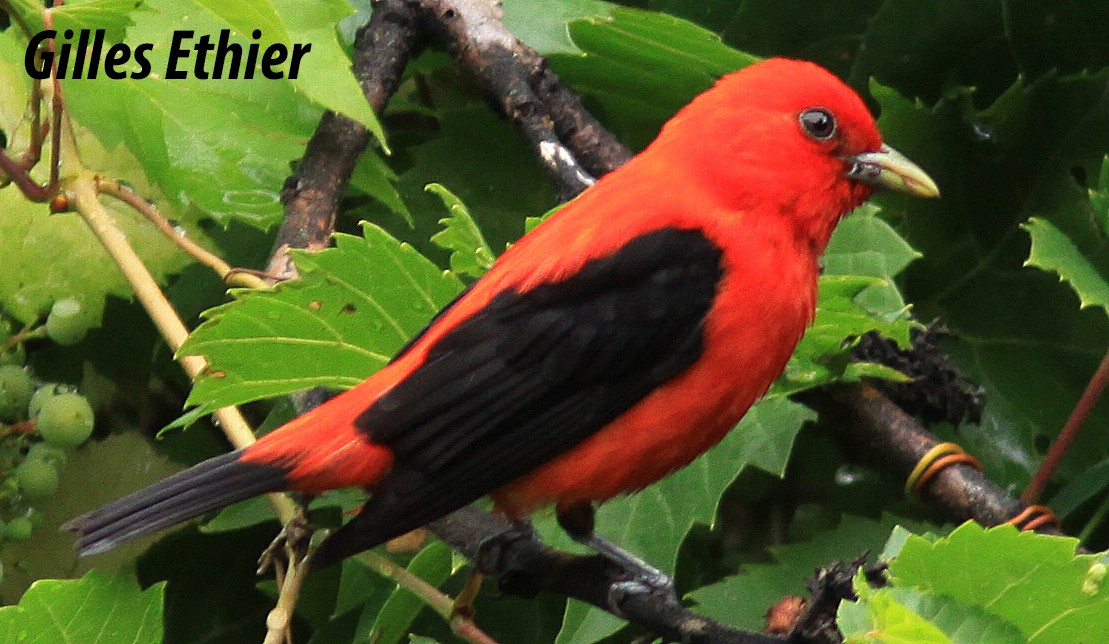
x,y
1086,485
857,295
94,609
1035,582
864,244
245,17
767,432
1017,332
743,599
51,256
1052,250
353,307
373,177
640,67
888,621
222,148
487,165
1099,198
114,16
585,623
325,75
546,30
217,148
823,355
390,624
470,253
908,615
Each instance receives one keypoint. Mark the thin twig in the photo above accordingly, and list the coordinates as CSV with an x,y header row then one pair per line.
x,y
280,617
85,199
229,275
28,332
1070,430
437,601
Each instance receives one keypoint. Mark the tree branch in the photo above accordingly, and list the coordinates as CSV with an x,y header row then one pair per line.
x,y
312,194
868,419
570,143
527,566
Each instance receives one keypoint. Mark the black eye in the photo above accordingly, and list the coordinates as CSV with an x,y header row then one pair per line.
x,y
818,123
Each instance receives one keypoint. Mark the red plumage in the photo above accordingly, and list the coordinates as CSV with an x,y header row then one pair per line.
x,y
612,345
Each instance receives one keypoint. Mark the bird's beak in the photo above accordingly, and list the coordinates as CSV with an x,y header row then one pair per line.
x,y
889,169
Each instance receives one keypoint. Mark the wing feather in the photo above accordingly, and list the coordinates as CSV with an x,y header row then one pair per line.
x,y
531,375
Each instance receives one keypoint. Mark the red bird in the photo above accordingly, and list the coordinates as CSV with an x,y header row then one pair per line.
x,y
609,347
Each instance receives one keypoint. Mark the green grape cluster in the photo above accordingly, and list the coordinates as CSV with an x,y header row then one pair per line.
x,y
39,422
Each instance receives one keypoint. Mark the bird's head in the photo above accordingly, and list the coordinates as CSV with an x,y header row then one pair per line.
x,y
790,134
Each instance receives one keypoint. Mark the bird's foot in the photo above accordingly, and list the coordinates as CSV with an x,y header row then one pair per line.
x,y
292,543
621,591
643,575
577,520
494,555
491,549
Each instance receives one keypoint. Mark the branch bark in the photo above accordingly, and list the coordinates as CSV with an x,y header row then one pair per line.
x,y
572,146
526,567
382,48
869,420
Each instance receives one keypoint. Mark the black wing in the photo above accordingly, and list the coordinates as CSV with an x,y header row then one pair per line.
x,y
531,375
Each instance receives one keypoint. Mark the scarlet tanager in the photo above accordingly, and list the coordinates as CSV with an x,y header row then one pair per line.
x,y
611,346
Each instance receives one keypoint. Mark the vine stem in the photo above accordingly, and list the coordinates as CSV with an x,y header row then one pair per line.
x,y
1081,411
228,274
430,595
28,333
82,191
84,198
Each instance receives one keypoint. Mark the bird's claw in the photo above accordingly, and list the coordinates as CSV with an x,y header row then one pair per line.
x,y
491,549
293,540
619,592
660,583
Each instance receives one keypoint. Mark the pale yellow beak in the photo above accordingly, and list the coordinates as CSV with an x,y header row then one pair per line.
x,y
890,170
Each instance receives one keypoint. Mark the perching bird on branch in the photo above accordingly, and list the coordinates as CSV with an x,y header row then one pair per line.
x,y
611,346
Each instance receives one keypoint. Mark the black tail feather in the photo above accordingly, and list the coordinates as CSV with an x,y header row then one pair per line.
x,y
213,484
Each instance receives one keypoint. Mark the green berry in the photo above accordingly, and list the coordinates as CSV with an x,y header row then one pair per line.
x,y
38,479
15,393
66,324
19,529
48,453
42,394
65,420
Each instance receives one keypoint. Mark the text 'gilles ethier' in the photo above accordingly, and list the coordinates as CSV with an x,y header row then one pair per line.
x,y
206,57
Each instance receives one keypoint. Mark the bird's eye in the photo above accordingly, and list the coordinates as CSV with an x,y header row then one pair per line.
x,y
818,123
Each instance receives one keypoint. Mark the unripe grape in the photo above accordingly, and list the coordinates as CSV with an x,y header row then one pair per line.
x,y
65,420
19,529
38,479
48,453
66,323
42,394
15,393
